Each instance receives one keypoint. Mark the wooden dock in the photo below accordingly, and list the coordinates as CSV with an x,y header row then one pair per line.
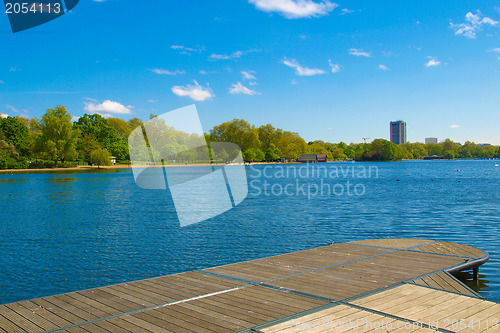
x,y
400,285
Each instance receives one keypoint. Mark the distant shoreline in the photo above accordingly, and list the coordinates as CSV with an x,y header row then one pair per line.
x,y
84,168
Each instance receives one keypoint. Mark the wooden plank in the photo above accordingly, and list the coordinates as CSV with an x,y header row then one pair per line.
x,y
394,243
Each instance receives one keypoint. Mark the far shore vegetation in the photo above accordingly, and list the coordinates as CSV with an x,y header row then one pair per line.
x,y
56,141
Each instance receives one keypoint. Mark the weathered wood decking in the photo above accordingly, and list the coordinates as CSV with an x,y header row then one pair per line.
x,y
403,283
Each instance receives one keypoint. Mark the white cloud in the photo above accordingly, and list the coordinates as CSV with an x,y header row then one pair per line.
x,y
161,71
152,101
106,108
294,82
186,50
454,126
359,53
195,92
295,9
346,11
240,89
433,62
74,118
248,75
473,24
13,69
3,115
335,67
234,55
496,50
13,109
383,68
302,71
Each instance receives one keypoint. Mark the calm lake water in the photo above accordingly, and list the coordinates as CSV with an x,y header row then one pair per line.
x,y
63,232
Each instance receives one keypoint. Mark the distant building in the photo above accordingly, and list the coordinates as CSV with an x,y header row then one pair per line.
x,y
481,145
398,132
431,140
321,158
312,158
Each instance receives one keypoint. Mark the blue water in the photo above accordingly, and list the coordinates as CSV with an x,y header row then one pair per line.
x,y
62,232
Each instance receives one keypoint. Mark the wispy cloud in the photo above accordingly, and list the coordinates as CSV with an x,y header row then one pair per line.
x,y
359,53
186,50
473,24
240,89
335,67
11,108
195,92
433,62
161,71
106,107
300,70
234,55
248,75
496,50
13,69
152,101
454,126
346,11
383,68
1,82
295,9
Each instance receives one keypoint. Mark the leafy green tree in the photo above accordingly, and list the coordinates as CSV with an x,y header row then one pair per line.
x,y
100,157
121,127
291,145
249,155
98,127
16,132
133,124
450,145
449,154
86,145
237,131
223,155
58,138
259,155
434,149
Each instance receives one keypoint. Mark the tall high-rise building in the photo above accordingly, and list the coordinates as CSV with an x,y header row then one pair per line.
x,y
431,140
398,132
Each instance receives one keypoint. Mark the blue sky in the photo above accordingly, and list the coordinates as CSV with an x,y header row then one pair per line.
x,y
335,71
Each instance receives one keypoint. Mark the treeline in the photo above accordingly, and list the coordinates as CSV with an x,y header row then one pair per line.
x,y
54,140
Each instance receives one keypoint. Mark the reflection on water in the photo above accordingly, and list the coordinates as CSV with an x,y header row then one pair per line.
x,y
479,285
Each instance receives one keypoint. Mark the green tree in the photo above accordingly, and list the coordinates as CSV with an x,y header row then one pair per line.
x,y
449,154
99,128
100,157
259,155
249,155
86,145
58,139
16,132
237,131
133,124
121,127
